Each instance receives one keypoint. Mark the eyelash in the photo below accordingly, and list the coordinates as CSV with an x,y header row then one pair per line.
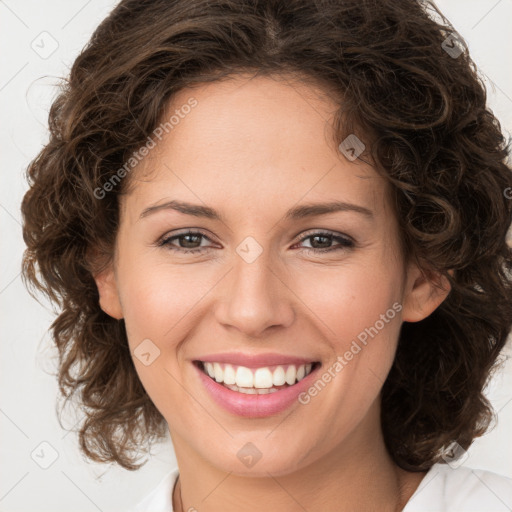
x,y
345,242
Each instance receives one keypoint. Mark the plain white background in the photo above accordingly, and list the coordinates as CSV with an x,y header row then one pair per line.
x,y
29,31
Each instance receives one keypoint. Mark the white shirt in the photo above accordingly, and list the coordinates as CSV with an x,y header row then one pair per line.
x,y
442,489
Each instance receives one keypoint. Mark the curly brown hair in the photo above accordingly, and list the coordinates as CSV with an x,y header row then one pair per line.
x,y
422,110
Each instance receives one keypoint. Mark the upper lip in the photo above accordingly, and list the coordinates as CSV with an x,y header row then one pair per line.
x,y
255,360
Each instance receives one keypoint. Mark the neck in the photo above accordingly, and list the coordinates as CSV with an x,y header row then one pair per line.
x,y
356,475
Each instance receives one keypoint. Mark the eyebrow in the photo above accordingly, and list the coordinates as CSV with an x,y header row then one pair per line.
x,y
298,212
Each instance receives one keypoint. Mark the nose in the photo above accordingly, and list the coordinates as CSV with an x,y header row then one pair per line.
x,y
255,298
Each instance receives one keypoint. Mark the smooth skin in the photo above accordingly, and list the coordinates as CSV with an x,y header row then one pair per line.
x,y
251,149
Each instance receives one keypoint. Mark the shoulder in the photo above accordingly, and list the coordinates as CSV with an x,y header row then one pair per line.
x,y
461,489
160,498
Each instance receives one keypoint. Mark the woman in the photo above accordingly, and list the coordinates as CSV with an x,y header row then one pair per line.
x,y
277,230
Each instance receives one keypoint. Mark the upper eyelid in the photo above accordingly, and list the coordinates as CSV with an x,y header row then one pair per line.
x,y
334,234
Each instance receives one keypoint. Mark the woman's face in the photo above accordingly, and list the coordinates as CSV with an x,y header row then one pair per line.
x,y
271,286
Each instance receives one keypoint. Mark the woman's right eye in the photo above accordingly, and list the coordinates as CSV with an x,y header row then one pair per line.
x,y
190,237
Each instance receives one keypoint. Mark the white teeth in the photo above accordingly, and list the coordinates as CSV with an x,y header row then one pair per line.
x,y
262,378
229,375
209,369
278,378
219,374
246,379
250,391
291,375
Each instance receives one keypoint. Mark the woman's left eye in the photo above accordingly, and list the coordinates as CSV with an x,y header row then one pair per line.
x,y
193,239
344,242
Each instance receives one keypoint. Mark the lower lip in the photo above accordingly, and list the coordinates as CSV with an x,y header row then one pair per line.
x,y
255,406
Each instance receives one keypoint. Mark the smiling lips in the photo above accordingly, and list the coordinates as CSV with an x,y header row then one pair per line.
x,y
267,379
255,386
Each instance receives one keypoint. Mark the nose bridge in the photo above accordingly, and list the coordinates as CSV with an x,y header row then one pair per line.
x,y
255,298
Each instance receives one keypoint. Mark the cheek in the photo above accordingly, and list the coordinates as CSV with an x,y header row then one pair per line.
x,y
358,311
161,306
159,300
350,300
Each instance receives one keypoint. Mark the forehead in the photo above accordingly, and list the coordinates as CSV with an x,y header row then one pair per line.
x,y
251,143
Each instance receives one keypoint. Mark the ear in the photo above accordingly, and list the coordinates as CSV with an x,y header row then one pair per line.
x,y
422,294
109,295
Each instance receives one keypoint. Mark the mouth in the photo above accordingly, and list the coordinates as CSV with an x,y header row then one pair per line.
x,y
256,381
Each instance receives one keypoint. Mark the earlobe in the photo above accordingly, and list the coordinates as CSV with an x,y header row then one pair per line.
x,y
109,296
423,295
